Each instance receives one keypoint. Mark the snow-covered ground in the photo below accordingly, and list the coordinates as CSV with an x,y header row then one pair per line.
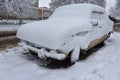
x,y
103,65
9,27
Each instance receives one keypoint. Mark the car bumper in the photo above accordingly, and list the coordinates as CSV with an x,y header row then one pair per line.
x,y
43,52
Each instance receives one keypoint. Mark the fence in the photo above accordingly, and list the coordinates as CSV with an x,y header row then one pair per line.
x,y
14,20
10,17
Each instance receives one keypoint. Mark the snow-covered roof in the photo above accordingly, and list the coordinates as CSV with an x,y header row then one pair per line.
x,y
76,10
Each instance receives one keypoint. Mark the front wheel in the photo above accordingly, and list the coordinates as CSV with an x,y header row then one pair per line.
x,y
75,54
82,54
78,54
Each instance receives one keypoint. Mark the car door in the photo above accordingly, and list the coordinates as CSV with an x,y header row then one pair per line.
x,y
96,24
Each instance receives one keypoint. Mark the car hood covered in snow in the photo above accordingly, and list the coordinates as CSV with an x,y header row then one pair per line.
x,y
52,32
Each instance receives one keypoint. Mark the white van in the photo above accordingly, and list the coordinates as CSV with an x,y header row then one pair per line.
x,y
71,29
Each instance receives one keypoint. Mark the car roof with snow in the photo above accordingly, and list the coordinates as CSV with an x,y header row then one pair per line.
x,y
76,10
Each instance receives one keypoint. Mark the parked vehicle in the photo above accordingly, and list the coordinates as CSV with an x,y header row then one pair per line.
x,y
71,30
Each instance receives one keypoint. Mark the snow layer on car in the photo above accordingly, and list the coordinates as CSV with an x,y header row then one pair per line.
x,y
51,33
76,10
66,21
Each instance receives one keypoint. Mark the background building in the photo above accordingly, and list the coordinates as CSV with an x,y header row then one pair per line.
x,y
35,3
44,12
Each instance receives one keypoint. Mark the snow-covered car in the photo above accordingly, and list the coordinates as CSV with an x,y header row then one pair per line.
x,y
70,31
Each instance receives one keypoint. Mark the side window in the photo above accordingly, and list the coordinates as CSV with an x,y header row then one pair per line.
x,y
97,15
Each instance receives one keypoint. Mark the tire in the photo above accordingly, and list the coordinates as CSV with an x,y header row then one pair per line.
x,y
75,54
55,64
82,55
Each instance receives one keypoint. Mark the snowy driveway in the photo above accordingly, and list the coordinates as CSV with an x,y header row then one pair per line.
x,y
103,65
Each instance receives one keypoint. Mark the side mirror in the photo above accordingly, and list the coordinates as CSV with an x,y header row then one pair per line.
x,y
94,23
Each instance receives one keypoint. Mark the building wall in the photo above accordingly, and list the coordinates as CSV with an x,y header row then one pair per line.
x,y
43,12
35,3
